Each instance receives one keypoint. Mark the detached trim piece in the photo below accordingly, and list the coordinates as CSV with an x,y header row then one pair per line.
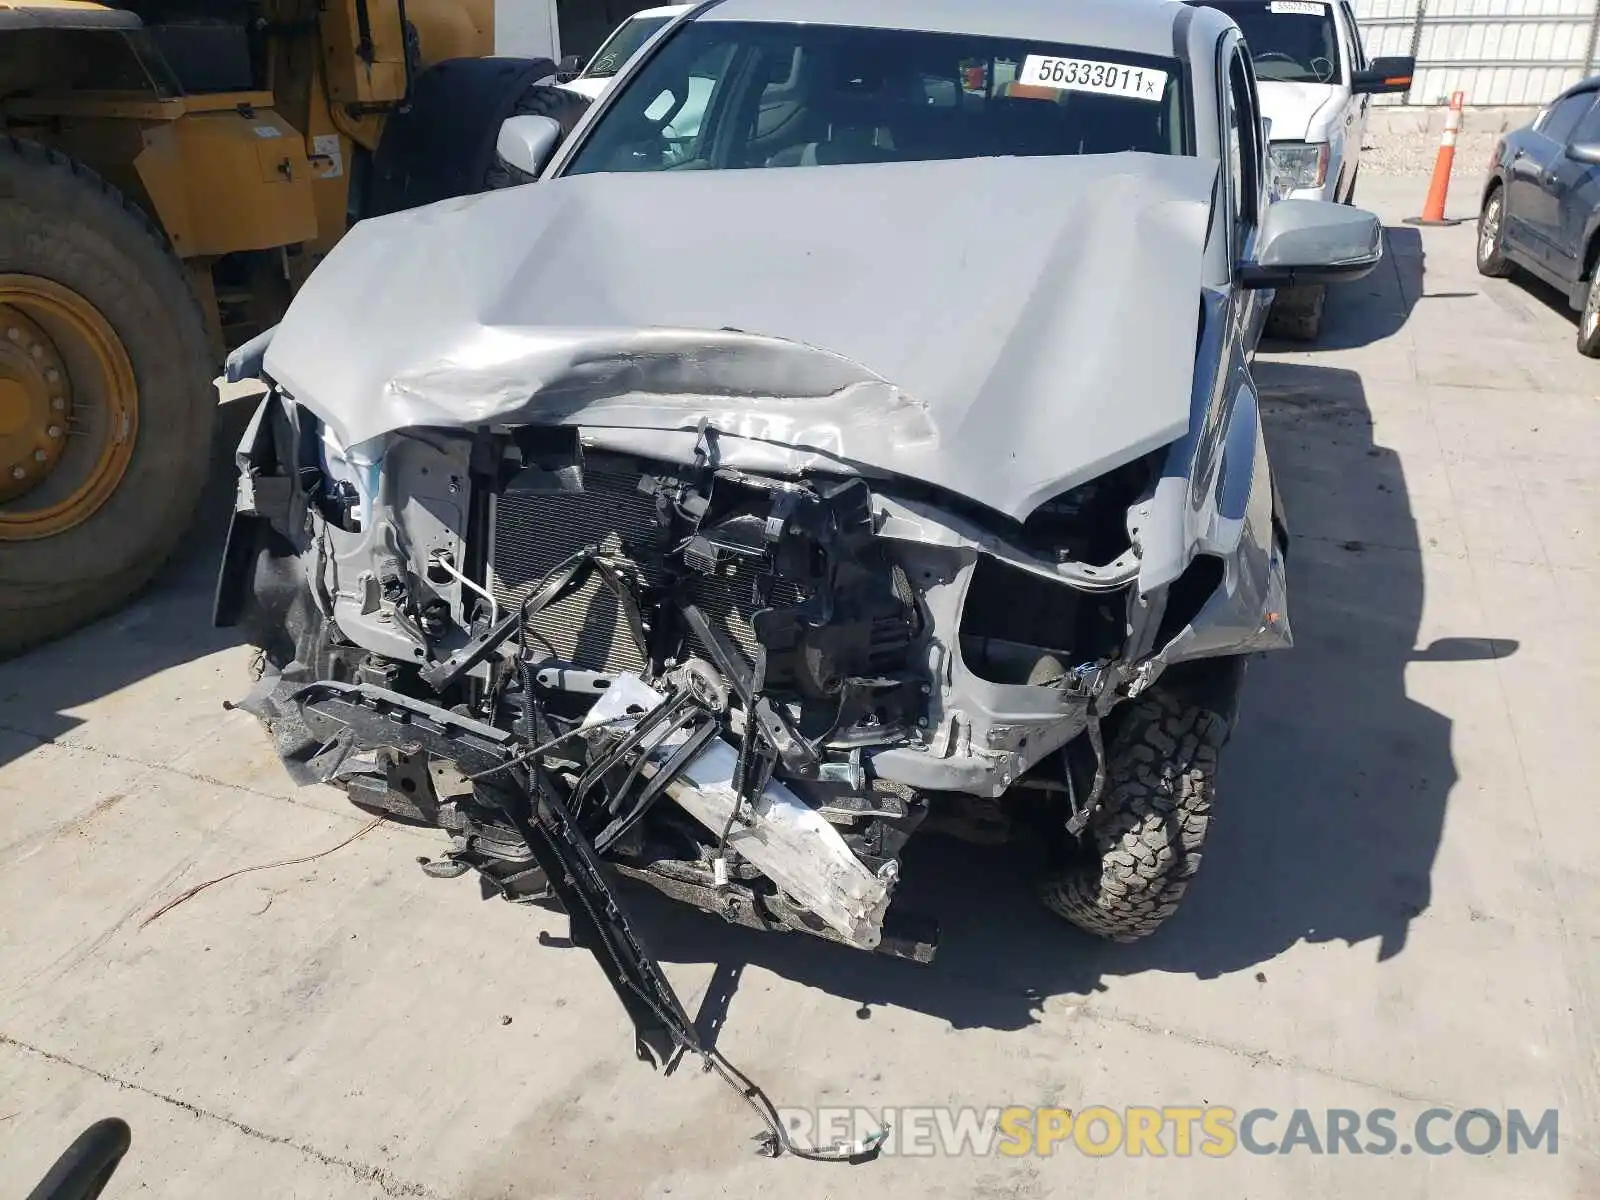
x,y
362,717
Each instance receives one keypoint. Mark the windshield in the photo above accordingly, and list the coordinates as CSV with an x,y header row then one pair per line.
x,y
621,46
724,94
1291,41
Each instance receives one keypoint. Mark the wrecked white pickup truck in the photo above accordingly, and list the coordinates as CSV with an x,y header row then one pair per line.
x,y
727,526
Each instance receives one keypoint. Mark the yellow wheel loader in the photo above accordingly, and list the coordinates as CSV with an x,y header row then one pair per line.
x,y
170,172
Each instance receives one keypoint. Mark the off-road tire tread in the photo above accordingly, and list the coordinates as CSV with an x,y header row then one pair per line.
x,y
1146,840
53,585
1296,313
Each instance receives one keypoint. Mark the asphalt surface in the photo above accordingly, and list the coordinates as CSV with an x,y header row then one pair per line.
x,y
1399,906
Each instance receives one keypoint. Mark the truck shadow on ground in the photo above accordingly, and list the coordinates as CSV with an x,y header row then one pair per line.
x,y
1332,793
1371,309
168,624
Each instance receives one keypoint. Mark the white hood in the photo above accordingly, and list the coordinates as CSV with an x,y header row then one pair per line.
x,y
1002,328
1298,111
588,86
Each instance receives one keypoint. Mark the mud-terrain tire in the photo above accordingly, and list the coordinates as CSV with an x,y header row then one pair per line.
x,y
540,100
1489,249
71,242
1143,847
1296,313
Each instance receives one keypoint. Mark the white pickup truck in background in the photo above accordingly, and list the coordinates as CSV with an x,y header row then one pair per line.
x,y
624,42
1315,83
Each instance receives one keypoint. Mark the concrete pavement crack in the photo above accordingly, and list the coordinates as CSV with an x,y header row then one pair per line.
x,y
1266,1057
387,1181
165,768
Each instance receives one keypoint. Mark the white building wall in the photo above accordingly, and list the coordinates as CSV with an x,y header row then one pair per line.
x,y
1494,51
527,29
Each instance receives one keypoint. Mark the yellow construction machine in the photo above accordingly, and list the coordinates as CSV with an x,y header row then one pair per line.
x,y
170,172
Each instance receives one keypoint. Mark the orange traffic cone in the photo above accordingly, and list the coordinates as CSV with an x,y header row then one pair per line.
x,y
1439,185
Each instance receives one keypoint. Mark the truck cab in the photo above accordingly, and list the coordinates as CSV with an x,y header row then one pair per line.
x,y
1316,84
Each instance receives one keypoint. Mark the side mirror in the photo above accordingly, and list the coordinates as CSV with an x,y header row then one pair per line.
x,y
526,141
569,68
1384,75
1585,152
1312,241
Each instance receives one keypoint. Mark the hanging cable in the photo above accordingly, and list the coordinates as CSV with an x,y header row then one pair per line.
x,y
442,561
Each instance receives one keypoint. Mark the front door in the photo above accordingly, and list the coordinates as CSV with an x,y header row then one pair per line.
x,y
1573,186
1355,117
1533,217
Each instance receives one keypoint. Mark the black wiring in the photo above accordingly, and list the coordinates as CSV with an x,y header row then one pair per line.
x,y
525,756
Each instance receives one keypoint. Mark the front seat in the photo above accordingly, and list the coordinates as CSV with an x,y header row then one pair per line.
x,y
845,144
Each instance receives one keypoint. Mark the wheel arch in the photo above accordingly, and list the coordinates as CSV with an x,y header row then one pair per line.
x,y
1495,183
1591,250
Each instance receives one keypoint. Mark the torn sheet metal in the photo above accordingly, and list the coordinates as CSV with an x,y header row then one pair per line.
x,y
784,838
1003,328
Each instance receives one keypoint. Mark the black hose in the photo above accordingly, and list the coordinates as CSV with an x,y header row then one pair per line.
x,y
82,1172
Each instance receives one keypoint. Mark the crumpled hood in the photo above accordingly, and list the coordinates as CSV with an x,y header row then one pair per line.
x,y
1003,328
1293,108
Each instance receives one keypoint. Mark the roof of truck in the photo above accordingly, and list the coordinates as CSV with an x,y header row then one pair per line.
x,y
1142,26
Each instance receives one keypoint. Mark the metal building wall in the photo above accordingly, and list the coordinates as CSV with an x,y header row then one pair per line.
x,y
1495,51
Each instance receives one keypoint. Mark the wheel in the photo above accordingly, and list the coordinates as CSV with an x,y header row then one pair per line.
x,y
1589,322
565,107
1296,313
106,403
1143,847
1491,221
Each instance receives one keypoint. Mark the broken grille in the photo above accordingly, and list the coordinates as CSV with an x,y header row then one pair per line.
x,y
534,531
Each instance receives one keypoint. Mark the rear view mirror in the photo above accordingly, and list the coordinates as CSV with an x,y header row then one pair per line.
x,y
1585,152
1312,241
526,141
1383,76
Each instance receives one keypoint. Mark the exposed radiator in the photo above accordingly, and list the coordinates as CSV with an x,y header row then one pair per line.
x,y
535,531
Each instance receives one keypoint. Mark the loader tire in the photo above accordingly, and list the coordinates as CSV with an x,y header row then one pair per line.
x,y
565,108
1141,850
106,404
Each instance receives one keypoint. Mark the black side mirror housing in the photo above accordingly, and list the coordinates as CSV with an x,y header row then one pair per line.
x,y
569,68
1384,76
1585,152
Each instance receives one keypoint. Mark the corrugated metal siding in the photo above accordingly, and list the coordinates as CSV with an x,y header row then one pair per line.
x,y
1495,51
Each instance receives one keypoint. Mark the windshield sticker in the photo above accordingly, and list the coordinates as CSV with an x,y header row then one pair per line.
x,y
1298,8
1084,75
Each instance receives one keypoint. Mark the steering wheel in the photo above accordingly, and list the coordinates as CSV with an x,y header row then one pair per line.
x,y
1279,54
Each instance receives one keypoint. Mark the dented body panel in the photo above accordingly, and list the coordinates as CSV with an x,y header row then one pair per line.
x,y
921,349
757,522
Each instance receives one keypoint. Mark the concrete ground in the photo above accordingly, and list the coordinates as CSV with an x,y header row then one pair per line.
x,y
1399,906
